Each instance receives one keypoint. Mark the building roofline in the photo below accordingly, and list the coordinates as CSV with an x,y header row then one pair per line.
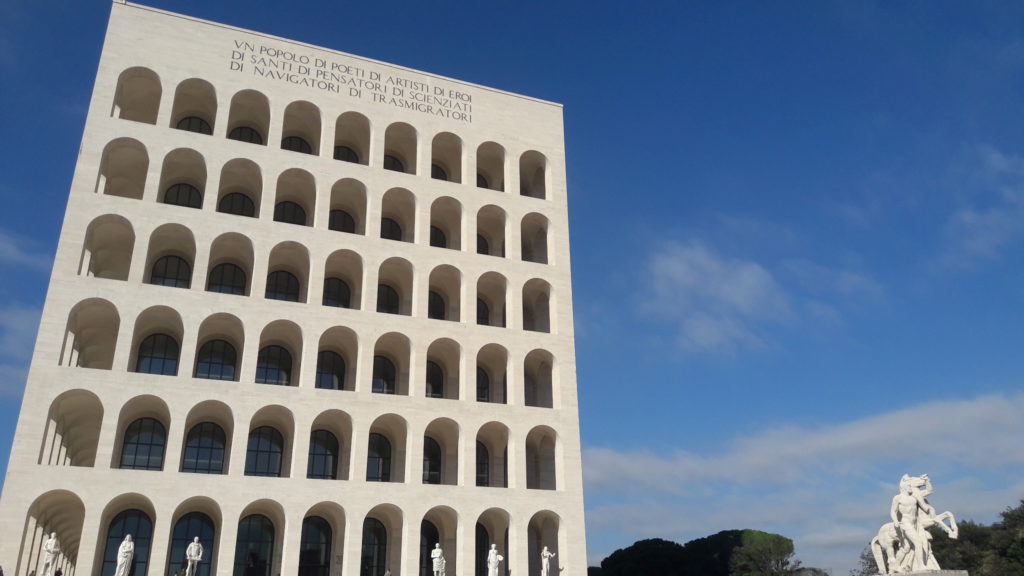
x,y
346,54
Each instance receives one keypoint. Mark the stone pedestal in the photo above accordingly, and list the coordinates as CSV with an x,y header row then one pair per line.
x,y
937,573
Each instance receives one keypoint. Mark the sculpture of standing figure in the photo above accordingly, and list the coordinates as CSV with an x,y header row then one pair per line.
x,y
193,555
437,560
493,559
52,550
545,561
125,553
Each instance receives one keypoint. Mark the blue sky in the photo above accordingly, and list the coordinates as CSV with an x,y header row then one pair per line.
x,y
797,234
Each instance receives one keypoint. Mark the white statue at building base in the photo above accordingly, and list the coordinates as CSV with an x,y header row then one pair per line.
x,y
51,551
904,545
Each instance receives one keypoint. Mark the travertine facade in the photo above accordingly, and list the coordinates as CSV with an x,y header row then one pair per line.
x,y
313,309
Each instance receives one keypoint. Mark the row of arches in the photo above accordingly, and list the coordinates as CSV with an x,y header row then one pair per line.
x,y
172,259
183,181
269,445
219,352
256,542
302,128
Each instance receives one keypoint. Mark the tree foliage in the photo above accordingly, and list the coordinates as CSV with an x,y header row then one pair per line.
x,y
763,554
996,550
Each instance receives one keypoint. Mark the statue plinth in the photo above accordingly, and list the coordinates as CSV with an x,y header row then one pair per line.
x,y
937,573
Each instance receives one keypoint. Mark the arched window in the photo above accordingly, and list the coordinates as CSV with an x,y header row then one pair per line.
x,y
483,313
428,537
330,370
143,446
323,456
216,360
246,134
204,449
375,548
346,154
227,278
296,144
341,221
171,271
189,526
184,195
437,238
274,366
481,181
387,299
378,459
383,375
158,354
483,545
315,547
431,461
254,547
139,526
435,306
195,124
336,293
289,213
483,385
238,204
483,465
438,173
482,246
264,453
435,380
282,285
390,230
393,163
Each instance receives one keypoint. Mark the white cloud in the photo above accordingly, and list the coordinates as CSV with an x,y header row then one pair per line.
x,y
827,488
19,251
719,301
18,326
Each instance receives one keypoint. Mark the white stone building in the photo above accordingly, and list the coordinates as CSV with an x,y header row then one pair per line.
x,y
312,308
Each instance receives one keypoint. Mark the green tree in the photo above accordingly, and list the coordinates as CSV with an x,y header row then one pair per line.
x,y
967,552
1006,548
763,554
866,565
654,556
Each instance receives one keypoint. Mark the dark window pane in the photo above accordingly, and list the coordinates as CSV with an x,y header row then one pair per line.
x,y
482,246
264,452
216,360
142,447
435,380
204,449
390,229
282,285
378,459
374,559
274,366
387,299
346,154
246,134
481,181
431,461
296,144
435,306
383,375
171,271
336,293
438,238
254,547
483,313
330,370
158,354
139,526
189,526
227,279
438,173
184,195
393,163
483,465
323,456
238,204
289,213
195,124
315,547
341,221
483,386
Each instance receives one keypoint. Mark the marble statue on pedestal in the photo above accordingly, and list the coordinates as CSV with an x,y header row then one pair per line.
x,y
493,560
904,545
193,555
437,560
125,553
545,561
51,550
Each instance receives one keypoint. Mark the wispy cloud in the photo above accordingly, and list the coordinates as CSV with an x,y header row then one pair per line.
x,y
723,303
18,326
19,251
828,488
